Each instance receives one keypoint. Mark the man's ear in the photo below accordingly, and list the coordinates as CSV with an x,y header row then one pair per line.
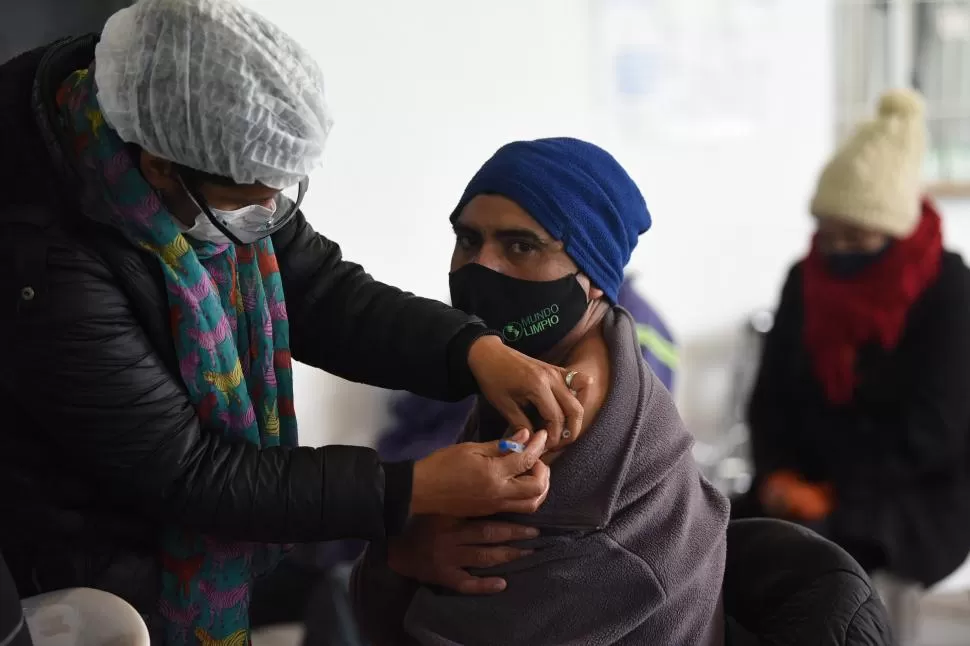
x,y
593,293
158,172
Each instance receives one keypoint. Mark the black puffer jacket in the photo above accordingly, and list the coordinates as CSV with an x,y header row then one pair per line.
x,y
101,445
786,586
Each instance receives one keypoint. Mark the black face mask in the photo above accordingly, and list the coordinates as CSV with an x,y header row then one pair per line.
x,y
849,265
532,316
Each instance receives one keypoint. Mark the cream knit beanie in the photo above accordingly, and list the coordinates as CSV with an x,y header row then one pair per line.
x,y
873,181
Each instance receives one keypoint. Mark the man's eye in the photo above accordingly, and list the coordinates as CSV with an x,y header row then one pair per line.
x,y
521,247
464,242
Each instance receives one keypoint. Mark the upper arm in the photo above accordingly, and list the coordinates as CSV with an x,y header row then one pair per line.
x,y
782,341
770,407
86,372
936,415
103,402
345,322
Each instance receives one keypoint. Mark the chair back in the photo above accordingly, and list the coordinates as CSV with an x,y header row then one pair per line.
x,y
84,617
789,586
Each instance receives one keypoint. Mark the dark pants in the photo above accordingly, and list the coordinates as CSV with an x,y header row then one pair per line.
x,y
299,591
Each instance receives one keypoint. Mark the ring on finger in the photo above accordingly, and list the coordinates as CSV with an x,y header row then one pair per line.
x,y
569,380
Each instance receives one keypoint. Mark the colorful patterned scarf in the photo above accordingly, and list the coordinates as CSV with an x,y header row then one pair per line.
x,y
231,334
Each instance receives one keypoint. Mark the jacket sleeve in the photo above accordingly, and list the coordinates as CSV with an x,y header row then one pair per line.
x,y
934,424
101,398
345,322
770,410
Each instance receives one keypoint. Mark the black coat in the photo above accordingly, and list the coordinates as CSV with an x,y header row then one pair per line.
x,y
786,586
898,455
101,445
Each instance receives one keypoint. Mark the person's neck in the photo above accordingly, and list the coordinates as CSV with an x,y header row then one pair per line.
x,y
590,326
585,351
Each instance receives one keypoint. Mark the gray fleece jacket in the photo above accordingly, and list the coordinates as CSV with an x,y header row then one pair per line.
x,y
632,548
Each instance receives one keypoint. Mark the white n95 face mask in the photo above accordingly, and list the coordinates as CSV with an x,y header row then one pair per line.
x,y
247,224
251,222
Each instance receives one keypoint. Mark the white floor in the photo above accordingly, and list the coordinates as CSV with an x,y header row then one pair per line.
x,y
946,620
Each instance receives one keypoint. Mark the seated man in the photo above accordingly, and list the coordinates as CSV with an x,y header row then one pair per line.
x,y
630,543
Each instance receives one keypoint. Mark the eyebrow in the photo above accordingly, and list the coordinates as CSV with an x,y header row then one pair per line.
x,y
506,234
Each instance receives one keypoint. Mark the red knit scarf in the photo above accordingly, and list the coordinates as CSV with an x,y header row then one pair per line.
x,y
841,315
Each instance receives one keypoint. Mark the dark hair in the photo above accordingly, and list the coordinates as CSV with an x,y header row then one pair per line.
x,y
195,177
201,177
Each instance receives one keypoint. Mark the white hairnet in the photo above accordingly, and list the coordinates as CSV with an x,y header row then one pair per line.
x,y
214,86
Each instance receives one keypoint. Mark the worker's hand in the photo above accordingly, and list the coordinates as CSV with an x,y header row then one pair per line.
x,y
437,550
471,479
591,395
511,380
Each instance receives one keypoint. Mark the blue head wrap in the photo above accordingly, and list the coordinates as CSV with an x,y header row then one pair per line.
x,y
579,193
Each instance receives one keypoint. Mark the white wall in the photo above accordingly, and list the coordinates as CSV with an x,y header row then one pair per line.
x,y
423,91
731,214
956,225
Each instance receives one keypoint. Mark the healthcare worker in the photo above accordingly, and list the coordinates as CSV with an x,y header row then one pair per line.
x,y
157,284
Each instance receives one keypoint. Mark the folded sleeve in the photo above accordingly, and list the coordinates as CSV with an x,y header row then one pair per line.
x,y
345,322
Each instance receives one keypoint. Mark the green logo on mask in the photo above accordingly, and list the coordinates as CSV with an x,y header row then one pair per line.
x,y
544,319
512,332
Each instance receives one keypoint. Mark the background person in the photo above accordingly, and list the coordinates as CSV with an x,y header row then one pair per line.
x,y
860,417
